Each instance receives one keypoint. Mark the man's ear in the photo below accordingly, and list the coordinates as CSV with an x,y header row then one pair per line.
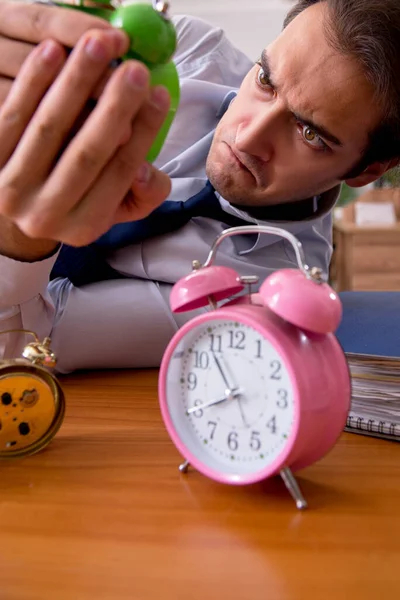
x,y
372,173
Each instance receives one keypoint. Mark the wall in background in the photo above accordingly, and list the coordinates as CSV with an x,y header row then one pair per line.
x,y
250,25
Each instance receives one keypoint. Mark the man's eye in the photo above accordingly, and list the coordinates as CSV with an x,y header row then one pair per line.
x,y
262,78
311,137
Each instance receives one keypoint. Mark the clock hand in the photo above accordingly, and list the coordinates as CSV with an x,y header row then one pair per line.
x,y
230,395
217,362
245,423
220,369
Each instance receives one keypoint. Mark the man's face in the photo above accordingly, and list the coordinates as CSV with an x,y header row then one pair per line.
x,y
299,122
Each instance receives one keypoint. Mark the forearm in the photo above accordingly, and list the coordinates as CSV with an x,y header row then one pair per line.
x,y
14,244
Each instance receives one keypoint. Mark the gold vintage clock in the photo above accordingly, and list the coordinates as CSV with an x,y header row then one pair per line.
x,y
32,402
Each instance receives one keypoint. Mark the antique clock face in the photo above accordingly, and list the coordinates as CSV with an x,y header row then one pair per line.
x,y
32,404
230,397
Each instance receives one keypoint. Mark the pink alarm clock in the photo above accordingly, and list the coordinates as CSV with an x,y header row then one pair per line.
x,y
258,385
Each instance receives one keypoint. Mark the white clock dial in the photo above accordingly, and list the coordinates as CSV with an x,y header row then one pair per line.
x,y
230,397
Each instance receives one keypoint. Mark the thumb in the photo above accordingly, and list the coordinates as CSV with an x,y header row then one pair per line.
x,y
149,189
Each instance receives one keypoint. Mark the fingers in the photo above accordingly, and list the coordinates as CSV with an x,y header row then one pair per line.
x,y
144,196
127,170
22,26
59,180
35,23
24,95
96,143
128,166
80,196
12,55
89,222
60,108
5,87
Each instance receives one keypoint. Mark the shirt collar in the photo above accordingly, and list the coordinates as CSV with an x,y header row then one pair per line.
x,y
226,103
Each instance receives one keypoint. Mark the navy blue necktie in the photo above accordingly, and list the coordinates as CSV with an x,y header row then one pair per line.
x,y
89,264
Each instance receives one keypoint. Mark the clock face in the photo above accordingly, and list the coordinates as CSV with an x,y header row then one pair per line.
x,y
27,411
230,397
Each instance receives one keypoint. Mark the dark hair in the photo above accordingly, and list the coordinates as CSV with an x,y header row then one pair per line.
x,y
369,31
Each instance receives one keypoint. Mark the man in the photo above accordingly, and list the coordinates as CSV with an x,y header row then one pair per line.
x,y
322,106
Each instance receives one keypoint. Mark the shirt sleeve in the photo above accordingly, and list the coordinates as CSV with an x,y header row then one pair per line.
x,y
205,53
24,301
124,323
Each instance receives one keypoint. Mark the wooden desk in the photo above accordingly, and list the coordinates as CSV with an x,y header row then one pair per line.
x,y
103,513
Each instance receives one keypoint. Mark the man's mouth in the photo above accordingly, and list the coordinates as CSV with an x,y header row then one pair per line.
x,y
240,162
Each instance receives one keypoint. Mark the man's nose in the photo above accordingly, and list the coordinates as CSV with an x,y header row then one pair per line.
x,y
257,133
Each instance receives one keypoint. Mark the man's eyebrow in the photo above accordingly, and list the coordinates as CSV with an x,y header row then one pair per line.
x,y
264,61
319,129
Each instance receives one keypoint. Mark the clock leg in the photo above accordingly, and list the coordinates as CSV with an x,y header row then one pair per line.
x,y
293,488
184,467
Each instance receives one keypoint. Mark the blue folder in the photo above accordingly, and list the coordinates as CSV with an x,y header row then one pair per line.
x,y
370,323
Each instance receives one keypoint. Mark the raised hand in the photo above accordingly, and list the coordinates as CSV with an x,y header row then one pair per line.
x,y
59,184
